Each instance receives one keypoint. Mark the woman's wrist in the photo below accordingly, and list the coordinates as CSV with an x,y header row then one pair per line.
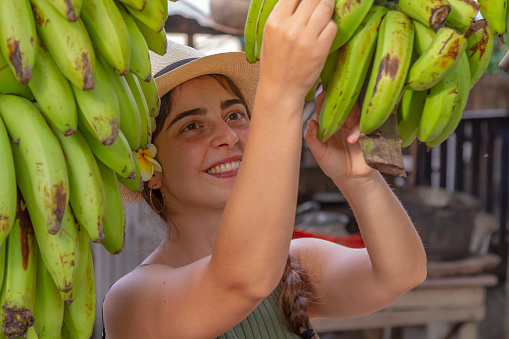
x,y
359,184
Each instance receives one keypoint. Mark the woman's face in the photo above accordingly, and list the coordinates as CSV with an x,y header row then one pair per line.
x,y
200,145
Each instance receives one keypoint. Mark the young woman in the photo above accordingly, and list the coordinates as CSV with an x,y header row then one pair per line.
x,y
228,192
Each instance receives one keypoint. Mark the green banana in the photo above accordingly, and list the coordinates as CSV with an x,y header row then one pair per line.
x,y
69,9
438,108
156,41
138,5
409,115
328,68
165,9
80,265
146,130
422,37
347,79
152,15
462,14
481,39
117,156
431,13
68,43
87,198
53,92
434,63
20,276
2,267
250,29
9,84
348,15
149,90
130,121
495,11
99,107
43,157
134,184
140,57
390,66
464,86
8,184
265,10
49,306
114,224
18,38
57,250
99,17
79,316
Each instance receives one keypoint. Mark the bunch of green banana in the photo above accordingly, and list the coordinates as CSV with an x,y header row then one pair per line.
x,y
495,11
77,102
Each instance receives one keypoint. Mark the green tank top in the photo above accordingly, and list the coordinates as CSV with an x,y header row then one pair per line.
x,y
265,322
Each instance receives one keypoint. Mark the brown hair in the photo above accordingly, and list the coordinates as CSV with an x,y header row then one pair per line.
x,y
295,290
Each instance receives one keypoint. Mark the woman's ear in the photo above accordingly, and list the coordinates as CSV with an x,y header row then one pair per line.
x,y
156,181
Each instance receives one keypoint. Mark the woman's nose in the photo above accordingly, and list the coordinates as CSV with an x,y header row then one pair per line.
x,y
224,135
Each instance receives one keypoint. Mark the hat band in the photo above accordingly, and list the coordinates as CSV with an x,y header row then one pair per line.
x,y
172,66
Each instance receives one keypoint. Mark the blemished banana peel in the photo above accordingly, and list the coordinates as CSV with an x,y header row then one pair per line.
x,y
79,317
328,68
266,8
108,33
431,13
250,29
42,154
49,306
134,184
462,14
57,250
80,264
117,156
138,5
354,59
114,224
8,184
87,200
99,107
156,41
130,121
9,84
20,276
464,86
422,37
68,43
481,39
53,93
438,107
69,9
146,128
434,63
18,38
348,15
140,58
149,89
152,15
390,67
495,11
409,115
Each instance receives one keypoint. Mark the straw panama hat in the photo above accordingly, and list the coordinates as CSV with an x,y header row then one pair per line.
x,y
181,63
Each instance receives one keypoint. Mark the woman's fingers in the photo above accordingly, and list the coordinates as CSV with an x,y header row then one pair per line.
x,y
285,7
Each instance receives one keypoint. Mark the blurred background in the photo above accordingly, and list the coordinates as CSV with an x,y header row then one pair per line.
x,y
456,193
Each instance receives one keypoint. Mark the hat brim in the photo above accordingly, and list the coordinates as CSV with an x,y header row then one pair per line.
x,y
232,65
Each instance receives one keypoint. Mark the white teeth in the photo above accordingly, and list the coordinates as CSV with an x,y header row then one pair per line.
x,y
225,167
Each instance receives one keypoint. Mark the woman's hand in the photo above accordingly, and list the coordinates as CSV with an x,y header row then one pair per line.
x,y
296,41
340,157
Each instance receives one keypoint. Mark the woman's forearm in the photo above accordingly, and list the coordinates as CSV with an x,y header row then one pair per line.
x,y
396,252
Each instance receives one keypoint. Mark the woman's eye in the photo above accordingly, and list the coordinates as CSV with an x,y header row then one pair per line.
x,y
190,126
234,116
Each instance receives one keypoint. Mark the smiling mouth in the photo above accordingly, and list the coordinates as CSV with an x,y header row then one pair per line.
x,y
227,167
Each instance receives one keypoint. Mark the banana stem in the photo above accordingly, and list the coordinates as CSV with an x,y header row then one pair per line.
x,y
382,148
504,63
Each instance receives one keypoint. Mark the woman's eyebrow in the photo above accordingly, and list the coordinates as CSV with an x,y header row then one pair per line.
x,y
194,111
227,103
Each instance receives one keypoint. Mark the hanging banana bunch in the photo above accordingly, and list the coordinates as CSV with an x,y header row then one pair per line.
x,y
77,102
418,59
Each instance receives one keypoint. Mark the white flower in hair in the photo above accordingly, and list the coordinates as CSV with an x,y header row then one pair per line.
x,y
148,163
